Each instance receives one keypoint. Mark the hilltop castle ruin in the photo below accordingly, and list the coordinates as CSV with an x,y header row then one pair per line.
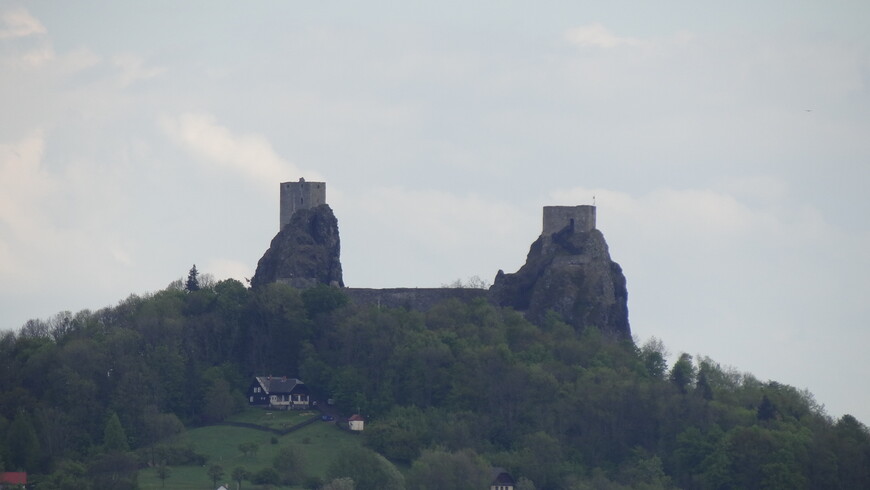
x,y
568,270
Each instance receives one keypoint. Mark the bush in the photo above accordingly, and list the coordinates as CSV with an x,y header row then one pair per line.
x,y
290,465
266,476
312,483
177,455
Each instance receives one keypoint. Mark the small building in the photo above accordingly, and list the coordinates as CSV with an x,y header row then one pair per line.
x,y
356,422
278,393
13,480
501,480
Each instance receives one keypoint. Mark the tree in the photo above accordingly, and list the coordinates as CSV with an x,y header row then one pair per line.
x,y
703,385
766,409
473,282
220,402
114,437
322,299
340,484
215,472
437,469
114,471
654,355
192,283
539,459
240,474
157,427
163,472
525,484
290,465
683,373
249,448
23,444
368,469
68,475
266,476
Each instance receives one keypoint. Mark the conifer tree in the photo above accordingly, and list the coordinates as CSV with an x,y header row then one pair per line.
x,y
766,409
114,437
192,283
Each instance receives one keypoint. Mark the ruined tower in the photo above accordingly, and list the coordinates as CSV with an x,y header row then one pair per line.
x,y
300,195
579,218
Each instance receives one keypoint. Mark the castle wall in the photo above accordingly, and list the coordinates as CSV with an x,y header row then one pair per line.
x,y
300,195
417,299
556,218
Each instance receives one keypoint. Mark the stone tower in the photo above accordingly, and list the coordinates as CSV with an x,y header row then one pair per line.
x,y
569,272
579,218
300,195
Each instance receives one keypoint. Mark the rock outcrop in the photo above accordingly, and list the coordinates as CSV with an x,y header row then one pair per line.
x,y
569,272
306,251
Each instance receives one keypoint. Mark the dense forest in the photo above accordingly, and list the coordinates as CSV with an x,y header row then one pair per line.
x,y
87,399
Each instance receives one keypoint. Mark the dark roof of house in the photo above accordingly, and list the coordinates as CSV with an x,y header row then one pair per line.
x,y
283,385
500,476
14,478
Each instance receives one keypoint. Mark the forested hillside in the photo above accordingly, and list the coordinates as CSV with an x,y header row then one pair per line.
x,y
88,397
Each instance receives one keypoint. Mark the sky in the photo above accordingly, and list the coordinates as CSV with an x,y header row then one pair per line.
x,y
726,145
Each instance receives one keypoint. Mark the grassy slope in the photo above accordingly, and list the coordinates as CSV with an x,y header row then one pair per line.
x,y
220,443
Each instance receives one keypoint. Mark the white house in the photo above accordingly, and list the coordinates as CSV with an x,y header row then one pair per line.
x,y
356,422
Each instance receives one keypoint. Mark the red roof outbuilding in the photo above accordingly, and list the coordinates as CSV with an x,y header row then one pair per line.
x,y
13,478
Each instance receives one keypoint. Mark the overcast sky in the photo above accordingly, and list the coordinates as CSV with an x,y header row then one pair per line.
x,y
727,145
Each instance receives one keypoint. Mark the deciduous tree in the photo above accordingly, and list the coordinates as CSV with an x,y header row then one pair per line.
x,y
683,373
437,469
239,474
290,465
215,472
23,444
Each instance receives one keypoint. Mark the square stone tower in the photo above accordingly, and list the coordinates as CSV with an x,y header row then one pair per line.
x,y
579,218
300,195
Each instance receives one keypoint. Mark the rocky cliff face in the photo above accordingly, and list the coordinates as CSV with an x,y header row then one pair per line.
x,y
569,272
306,252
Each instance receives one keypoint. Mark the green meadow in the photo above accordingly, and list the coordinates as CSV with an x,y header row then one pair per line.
x,y
318,442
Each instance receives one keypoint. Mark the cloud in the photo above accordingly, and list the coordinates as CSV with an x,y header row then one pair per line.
x,y
250,155
19,23
699,211
596,35
29,46
23,184
228,269
26,231
133,69
708,269
401,237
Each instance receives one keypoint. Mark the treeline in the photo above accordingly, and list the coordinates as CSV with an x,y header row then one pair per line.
x,y
93,396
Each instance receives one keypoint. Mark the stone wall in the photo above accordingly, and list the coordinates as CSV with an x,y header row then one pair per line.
x,y
299,195
418,299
